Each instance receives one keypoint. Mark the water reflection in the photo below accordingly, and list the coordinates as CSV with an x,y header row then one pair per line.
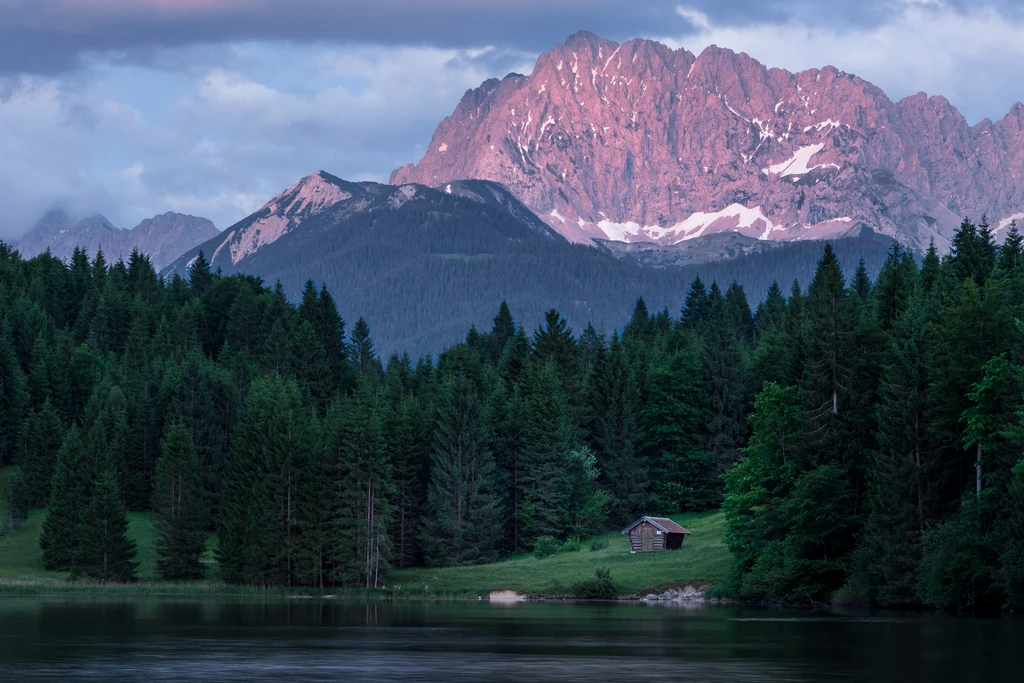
x,y
305,640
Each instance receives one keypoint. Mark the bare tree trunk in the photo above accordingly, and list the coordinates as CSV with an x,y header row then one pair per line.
x,y
977,474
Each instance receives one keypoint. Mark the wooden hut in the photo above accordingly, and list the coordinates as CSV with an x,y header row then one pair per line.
x,y
654,534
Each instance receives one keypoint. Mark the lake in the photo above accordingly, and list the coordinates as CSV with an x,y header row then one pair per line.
x,y
324,640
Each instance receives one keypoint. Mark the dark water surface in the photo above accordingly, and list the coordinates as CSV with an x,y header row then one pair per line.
x,y
164,640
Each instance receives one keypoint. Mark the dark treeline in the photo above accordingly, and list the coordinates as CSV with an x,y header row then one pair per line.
x,y
863,437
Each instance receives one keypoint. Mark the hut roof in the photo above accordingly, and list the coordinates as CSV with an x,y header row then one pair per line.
x,y
663,523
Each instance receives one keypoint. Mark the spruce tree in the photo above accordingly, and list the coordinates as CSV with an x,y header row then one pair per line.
x,y
463,524
827,381
507,415
683,474
408,440
772,354
363,489
44,434
199,275
547,440
178,508
72,483
12,398
259,507
104,551
723,363
696,312
362,353
502,330
901,500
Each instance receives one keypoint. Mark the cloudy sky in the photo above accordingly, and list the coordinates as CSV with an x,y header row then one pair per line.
x,y
136,107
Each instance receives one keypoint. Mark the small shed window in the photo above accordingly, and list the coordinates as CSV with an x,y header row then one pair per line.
x,y
657,533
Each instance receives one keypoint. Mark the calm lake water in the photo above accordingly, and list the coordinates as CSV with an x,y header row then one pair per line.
x,y
161,640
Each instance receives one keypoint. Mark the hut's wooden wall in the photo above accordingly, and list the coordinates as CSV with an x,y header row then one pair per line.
x,y
636,542
659,540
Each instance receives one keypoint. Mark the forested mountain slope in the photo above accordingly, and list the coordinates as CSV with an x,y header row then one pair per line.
x,y
422,265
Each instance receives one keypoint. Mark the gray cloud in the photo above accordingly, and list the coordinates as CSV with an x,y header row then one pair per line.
x,y
47,36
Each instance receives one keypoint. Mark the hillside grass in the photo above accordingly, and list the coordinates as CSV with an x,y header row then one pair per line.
x,y
703,561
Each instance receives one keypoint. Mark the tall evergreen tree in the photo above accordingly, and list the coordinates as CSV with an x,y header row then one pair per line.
x,y
72,484
364,489
462,525
199,275
259,507
104,551
363,355
683,474
178,508
547,439
12,398
44,434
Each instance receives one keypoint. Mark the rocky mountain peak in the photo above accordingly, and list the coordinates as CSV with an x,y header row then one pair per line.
x,y
162,238
310,195
640,142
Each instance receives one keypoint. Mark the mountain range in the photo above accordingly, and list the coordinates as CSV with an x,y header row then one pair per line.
x,y
422,264
612,171
163,238
638,142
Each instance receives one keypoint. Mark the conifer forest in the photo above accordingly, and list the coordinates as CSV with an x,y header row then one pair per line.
x,y
864,438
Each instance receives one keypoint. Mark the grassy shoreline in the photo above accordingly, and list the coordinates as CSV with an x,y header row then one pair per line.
x,y
704,562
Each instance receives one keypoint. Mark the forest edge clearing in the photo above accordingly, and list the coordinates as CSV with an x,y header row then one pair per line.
x,y
703,561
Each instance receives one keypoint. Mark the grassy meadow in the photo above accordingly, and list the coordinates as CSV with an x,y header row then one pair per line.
x,y
703,561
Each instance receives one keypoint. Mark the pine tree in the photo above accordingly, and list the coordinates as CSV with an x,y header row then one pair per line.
x,y
723,368
44,433
363,355
178,508
311,366
1012,250
104,551
199,275
828,373
683,475
616,433
772,354
363,490
756,487
72,482
897,283
259,506
195,392
554,343
502,331
901,502
12,398
462,525
696,312
737,313
547,440
407,440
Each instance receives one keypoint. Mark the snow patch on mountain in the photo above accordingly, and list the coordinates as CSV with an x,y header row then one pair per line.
x,y
796,164
1005,223
735,217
